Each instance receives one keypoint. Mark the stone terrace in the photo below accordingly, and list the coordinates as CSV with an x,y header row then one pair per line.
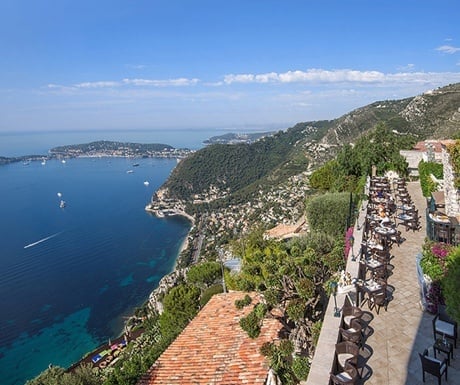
x,y
396,336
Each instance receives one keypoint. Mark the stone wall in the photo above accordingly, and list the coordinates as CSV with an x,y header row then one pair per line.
x,y
451,194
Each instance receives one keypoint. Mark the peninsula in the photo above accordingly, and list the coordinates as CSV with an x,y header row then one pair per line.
x,y
105,148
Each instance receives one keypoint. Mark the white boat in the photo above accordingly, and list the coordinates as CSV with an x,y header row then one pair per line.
x,y
146,183
62,204
129,171
43,162
63,161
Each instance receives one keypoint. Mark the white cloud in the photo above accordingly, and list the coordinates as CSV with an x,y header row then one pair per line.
x,y
161,83
448,49
99,84
340,76
179,82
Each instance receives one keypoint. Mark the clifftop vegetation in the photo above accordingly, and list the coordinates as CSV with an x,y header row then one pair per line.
x,y
240,171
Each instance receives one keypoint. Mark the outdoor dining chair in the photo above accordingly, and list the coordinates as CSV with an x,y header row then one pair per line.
x,y
354,333
347,353
444,325
348,376
433,366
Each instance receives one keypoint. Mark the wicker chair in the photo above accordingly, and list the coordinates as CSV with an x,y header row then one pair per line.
x,y
444,325
350,313
433,366
354,333
348,376
379,298
347,353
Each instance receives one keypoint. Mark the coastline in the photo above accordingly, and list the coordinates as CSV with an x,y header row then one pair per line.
x,y
162,213
152,301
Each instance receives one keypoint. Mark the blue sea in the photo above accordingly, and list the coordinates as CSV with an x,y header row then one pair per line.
x,y
70,276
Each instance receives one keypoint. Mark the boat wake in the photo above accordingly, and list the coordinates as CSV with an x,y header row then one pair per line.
x,y
41,240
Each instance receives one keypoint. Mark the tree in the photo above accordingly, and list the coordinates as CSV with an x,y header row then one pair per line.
x,y
204,274
180,305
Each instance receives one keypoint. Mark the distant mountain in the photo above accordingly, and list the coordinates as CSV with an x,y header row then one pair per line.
x,y
231,173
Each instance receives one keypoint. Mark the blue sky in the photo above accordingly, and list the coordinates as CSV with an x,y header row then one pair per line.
x,y
254,64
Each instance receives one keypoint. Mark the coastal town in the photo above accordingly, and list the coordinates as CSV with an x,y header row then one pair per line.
x,y
104,148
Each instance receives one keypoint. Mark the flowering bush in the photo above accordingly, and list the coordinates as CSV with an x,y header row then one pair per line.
x,y
434,265
434,259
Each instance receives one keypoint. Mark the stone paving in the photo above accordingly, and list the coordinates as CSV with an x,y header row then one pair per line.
x,y
400,333
394,338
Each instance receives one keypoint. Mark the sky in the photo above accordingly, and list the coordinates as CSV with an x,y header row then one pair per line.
x,y
243,64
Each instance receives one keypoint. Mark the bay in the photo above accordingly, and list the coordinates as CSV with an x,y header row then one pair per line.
x,y
69,276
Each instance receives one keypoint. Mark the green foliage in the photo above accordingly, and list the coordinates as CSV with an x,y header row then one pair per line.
x,y
281,361
252,323
433,260
138,358
237,167
328,213
83,375
204,274
209,292
379,147
240,303
296,310
316,331
325,177
425,169
451,286
51,376
301,368
180,305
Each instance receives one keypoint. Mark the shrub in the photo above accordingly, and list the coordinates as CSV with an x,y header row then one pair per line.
x,y
301,367
209,292
450,284
315,332
240,303
425,169
204,274
252,322
433,261
328,213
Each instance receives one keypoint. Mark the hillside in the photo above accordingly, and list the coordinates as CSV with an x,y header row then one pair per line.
x,y
434,114
234,173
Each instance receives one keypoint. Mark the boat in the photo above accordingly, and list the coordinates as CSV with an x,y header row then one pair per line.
x,y
135,164
43,162
63,161
129,171
146,183
62,204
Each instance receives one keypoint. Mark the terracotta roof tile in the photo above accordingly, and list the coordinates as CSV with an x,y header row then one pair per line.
x,y
213,349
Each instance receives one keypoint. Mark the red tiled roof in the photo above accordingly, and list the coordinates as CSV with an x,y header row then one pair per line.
x,y
213,349
436,144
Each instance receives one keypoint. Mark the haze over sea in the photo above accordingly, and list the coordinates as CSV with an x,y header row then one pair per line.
x,y
70,275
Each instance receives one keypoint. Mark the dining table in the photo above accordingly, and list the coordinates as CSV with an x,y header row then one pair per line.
x,y
366,288
373,266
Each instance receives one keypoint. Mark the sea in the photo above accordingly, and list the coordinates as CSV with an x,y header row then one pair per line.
x,y
70,276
